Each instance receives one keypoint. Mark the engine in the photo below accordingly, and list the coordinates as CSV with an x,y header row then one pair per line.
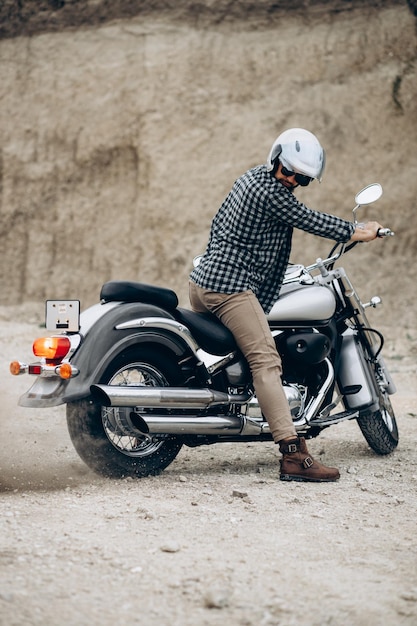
x,y
307,347
296,395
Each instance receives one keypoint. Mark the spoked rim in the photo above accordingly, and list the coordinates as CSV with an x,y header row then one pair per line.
x,y
387,413
116,420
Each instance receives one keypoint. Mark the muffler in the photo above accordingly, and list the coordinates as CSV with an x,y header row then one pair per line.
x,y
195,425
164,397
134,421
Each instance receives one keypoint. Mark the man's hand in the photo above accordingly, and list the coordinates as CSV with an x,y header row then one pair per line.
x,y
366,232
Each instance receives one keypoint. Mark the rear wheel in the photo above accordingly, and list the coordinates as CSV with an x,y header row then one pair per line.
x,y
105,437
380,427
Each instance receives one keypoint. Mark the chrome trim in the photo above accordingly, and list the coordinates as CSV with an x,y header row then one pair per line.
x,y
75,341
316,402
374,302
387,381
193,425
212,361
222,363
162,323
296,274
47,371
164,397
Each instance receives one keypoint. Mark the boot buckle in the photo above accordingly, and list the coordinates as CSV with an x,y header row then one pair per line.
x,y
308,462
292,447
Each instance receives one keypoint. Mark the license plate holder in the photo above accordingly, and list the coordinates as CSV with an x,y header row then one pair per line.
x,y
62,315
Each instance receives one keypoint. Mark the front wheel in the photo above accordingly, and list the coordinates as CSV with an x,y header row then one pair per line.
x,y
380,427
105,437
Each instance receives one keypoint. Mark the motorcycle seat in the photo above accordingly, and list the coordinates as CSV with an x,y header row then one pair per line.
x,y
208,330
128,291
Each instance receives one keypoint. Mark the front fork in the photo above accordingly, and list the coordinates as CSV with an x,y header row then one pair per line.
x,y
361,360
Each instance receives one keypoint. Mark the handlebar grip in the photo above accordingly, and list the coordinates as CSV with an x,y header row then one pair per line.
x,y
384,232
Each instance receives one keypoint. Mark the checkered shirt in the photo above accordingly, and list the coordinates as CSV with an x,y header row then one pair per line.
x,y
250,237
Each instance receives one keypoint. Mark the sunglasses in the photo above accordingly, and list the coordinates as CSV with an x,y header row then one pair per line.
x,y
301,179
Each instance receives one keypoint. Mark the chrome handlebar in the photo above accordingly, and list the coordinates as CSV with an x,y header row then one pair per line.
x,y
384,232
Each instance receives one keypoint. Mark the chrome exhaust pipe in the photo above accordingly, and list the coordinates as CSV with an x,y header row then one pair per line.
x,y
196,425
174,398
164,397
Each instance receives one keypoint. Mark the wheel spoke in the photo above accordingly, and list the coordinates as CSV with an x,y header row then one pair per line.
x,y
116,420
109,439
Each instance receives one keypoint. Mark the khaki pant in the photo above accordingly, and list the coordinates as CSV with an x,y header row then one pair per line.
x,y
245,318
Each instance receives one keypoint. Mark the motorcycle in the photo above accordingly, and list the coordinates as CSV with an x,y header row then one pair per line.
x,y
141,376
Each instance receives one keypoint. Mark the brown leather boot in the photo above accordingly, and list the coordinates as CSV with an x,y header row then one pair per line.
x,y
297,464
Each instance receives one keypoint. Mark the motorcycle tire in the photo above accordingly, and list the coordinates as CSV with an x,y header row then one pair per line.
x,y
95,430
380,427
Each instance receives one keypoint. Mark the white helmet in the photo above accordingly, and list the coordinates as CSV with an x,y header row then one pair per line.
x,y
299,150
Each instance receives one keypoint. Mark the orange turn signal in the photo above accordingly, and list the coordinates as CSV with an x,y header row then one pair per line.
x,y
65,370
17,368
51,348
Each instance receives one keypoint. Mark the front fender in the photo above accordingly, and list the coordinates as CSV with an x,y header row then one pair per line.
x,y
112,333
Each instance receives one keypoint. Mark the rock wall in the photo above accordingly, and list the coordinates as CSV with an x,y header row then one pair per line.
x,y
121,132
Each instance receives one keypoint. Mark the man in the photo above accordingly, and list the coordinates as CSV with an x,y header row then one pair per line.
x,y
241,273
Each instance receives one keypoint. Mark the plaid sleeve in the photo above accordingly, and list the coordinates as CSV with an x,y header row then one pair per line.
x,y
295,214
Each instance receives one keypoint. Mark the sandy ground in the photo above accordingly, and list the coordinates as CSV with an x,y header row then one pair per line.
x,y
216,539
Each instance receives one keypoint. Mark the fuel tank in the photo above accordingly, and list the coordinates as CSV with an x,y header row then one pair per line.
x,y
303,303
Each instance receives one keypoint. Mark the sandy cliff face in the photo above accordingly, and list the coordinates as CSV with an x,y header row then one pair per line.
x,y
121,133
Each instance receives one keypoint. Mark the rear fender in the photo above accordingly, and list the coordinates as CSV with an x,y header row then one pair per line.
x,y
123,326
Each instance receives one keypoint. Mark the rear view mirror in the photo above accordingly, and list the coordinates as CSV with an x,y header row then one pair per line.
x,y
369,194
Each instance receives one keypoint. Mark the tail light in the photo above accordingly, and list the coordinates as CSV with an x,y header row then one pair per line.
x,y
53,349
